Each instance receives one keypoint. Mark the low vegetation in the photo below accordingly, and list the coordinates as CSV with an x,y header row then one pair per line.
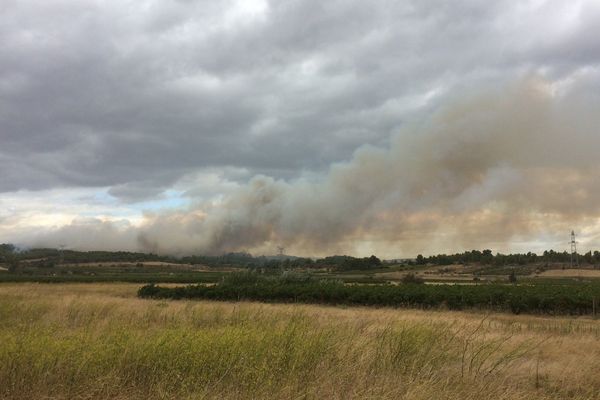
x,y
113,276
97,341
547,299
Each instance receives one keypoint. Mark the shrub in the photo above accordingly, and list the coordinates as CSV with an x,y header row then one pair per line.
x,y
553,299
412,278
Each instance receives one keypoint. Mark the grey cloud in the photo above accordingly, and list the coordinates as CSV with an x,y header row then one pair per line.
x,y
133,192
110,95
487,168
142,97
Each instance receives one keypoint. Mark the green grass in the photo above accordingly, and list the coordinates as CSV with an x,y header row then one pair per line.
x,y
109,276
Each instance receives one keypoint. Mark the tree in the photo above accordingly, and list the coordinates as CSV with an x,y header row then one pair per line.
x,y
8,254
374,261
487,257
6,251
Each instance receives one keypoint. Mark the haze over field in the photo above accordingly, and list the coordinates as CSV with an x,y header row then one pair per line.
x,y
336,127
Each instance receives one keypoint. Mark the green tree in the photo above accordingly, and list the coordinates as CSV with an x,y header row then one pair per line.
x,y
374,260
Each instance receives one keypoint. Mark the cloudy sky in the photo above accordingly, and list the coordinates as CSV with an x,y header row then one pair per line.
x,y
387,127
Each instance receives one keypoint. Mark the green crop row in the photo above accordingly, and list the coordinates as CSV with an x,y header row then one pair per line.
x,y
536,299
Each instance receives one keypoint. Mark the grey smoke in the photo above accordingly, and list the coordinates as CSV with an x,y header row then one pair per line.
x,y
492,167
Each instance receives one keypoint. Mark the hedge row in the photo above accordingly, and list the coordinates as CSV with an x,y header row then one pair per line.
x,y
577,299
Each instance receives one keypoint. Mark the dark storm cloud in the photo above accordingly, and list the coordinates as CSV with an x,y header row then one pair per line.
x,y
134,95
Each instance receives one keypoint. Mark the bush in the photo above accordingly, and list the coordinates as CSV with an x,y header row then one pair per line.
x,y
551,299
412,278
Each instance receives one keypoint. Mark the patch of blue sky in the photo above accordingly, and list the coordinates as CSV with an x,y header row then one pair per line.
x,y
103,197
112,206
169,200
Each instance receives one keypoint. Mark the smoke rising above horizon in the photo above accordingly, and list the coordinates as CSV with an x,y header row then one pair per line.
x,y
488,168
355,127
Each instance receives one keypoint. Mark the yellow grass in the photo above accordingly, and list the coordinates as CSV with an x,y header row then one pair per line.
x,y
570,273
97,341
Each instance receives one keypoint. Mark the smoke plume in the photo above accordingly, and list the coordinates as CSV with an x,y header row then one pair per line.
x,y
502,168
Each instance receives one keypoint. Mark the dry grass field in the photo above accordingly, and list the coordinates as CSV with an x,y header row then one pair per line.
x,y
98,341
570,273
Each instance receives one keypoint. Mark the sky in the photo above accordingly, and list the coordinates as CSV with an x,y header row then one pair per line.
x,y
338,127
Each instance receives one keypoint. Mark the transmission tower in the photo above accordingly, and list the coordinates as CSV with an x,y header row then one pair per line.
x,y
574,257
280,250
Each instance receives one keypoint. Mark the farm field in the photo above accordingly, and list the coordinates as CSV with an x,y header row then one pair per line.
x,y
134,272
99,341
466,273
570,273
52,265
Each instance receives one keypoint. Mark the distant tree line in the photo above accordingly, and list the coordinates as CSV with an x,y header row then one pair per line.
x,y
73,257
345,263
48,257
486,257
338,263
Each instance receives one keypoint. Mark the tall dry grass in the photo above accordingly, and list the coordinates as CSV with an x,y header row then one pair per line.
x,y
92,341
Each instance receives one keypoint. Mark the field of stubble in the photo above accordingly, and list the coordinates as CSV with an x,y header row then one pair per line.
x,y
98,341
